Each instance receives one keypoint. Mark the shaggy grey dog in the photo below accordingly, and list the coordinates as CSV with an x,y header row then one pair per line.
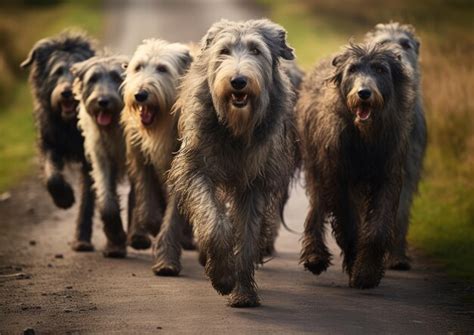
x,y
150,90
404,36
237,156
354,118
55,109
97,86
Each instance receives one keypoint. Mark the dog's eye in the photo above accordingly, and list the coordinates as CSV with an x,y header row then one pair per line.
x,y
138,68
254,51
225,51
380,69
116,76
59,71
405,44
93,78
161,69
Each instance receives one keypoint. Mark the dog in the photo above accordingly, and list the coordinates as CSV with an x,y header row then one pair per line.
x,y
55,110
236,160
97,86
354,121
150,90
405,36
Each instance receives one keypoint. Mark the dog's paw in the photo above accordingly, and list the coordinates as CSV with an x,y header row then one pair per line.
x,y
365,277
166,269
112,250
139,241
223,285
316,263
82,246
399,263
61,192
242,300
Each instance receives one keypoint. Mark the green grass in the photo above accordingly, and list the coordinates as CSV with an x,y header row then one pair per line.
x,y
442,224
17,131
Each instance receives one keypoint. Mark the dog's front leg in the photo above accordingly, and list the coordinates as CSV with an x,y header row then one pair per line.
x,y
148,201
105,180
59,189
212,228
248,216
375,235
82,240
167,247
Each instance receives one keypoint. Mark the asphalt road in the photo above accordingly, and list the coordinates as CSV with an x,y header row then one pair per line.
x,y
46,286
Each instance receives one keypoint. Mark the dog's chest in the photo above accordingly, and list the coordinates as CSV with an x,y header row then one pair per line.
x,y
158,149
237,165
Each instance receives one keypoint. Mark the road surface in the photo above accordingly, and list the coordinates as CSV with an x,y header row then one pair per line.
x,y
46,286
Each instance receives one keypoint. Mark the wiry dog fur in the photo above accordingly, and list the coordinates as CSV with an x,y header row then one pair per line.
x,y
97,87
233,169
150,90
354,118
55,109
405,37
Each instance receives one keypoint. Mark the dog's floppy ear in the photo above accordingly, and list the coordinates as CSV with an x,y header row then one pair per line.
x,y
79,69
286,52
337,62
276,38
122,61
39,48
186,58
217,27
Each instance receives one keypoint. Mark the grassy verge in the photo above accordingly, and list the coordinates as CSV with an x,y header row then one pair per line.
x,y
20,28
443,215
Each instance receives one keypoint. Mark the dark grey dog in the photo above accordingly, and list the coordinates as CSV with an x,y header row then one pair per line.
x,y
354,118
97,87
59,139
237,156
404,36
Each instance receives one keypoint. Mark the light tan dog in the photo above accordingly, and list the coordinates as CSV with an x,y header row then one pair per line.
x,y
150,90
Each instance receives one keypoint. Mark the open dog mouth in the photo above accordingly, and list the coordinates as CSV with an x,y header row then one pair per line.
x,y
68,107
104,118
362,113
147,114
239,99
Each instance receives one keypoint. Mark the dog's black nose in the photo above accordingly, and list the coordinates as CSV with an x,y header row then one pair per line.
x,y
364,94
103,102
238,82
66,94
141,96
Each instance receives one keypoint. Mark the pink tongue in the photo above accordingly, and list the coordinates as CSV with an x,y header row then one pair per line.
x,y
104,119
146,116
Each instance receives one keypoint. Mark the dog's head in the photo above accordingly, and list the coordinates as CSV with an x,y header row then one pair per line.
x,y
368,77
403,35
51,60
97,84
152,77
242,58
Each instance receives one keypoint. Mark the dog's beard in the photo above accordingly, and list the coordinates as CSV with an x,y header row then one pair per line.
x,y
365,115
